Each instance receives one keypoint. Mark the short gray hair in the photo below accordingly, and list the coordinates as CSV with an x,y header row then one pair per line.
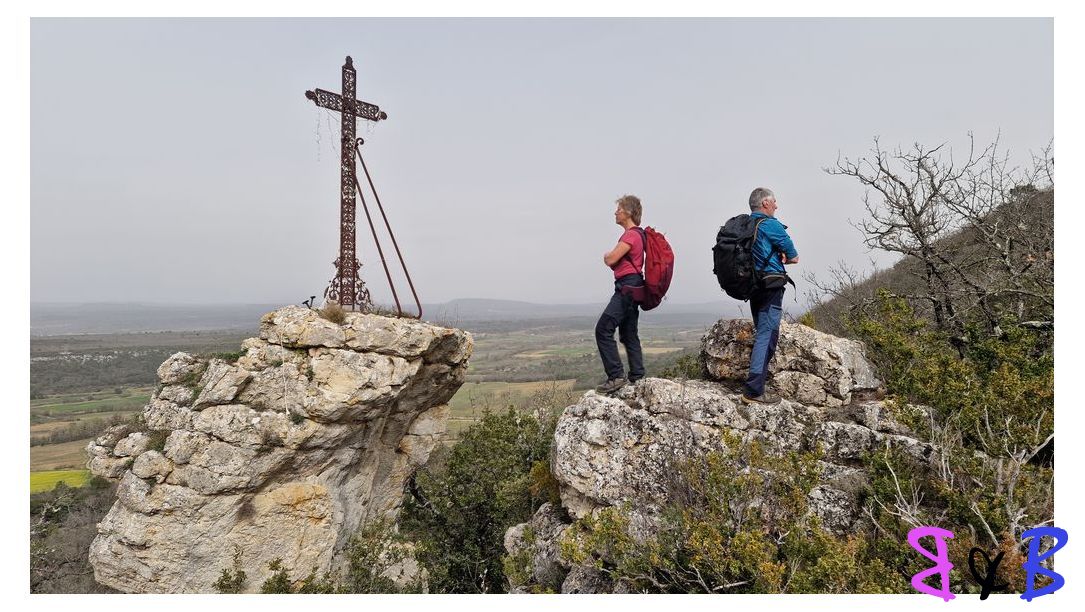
x,y
758,196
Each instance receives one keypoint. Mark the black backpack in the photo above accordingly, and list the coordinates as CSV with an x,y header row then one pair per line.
x,y
732,257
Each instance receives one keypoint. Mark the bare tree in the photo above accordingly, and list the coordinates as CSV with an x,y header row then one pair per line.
x,y
975,233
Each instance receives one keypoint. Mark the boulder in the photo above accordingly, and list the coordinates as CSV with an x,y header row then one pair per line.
x,y
281,455
809,366
179,368
220,383
535,546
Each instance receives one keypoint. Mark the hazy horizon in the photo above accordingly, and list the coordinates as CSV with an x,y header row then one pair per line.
x,y
177,161
63,319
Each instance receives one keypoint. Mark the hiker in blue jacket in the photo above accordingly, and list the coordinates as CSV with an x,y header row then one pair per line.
x,y
772,249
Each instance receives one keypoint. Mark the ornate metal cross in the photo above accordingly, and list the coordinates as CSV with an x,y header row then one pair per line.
x,y
347,288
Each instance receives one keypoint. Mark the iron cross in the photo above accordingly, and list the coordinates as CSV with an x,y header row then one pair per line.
x,y
347,288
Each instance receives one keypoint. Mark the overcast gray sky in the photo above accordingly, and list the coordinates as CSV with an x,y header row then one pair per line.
x,y
179,161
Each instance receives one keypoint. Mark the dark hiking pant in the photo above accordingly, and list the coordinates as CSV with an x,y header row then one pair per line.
x,y
621,314
766,306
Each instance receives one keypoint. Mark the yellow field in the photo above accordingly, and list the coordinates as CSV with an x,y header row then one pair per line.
x,y
68,455
45,481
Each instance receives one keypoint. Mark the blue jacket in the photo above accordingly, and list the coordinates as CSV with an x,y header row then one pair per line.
x,y
772,239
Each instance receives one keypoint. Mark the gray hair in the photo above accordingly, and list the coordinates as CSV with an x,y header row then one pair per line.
x,y
758,196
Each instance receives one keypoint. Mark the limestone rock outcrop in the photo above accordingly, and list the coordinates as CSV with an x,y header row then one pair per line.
x,y
810,366
617,451
281,454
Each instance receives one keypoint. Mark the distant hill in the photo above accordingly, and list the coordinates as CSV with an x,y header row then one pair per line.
x,y
56,319
1033,221
486,309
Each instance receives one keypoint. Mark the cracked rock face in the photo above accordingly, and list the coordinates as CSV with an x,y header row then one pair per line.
x,y
619,451
614,450
283,454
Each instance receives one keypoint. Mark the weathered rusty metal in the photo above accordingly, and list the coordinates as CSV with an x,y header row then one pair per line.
x,y
347,287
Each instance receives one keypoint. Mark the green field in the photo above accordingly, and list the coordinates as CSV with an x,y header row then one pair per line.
x,y
473,398
45,481
73,398
115,403
48,424
480,394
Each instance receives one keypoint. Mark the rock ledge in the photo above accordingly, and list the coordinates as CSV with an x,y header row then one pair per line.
x,y
282,454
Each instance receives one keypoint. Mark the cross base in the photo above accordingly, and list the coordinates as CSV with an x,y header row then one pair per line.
x,y
340,292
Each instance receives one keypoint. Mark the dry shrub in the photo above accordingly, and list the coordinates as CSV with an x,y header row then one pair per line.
x,y
333,312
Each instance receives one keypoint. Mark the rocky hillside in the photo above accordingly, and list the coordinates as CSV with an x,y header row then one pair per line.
x,y
280,454
1016,240
621,451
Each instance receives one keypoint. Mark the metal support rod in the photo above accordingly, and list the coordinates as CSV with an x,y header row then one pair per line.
x,y
399,254
380,251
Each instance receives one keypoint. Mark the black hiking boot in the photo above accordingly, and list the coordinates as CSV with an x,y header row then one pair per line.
x,y
611,386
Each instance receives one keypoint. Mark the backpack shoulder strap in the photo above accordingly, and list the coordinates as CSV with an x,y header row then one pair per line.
x,y
757,226
753,241
644,251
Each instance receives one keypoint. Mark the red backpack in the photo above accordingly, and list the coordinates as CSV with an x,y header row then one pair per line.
x,y
658,268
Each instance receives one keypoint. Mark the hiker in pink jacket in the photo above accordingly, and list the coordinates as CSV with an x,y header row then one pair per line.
x,y
626,259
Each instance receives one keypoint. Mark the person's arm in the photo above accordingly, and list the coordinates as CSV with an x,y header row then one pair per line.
x,y
616,254
777,235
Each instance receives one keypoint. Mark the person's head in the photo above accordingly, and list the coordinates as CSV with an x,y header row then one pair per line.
x,y
628,209
763,200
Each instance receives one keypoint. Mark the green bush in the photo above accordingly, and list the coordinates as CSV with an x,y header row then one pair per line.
x,y
232,579
63,522
458,510
279,581
986,401
229,356
989,402
157,439
1001,381
373,552
689,366
808,319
